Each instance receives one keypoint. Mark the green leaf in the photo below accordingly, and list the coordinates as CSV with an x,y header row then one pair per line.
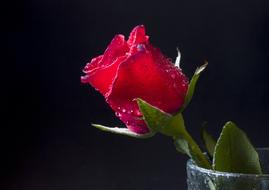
x,y
182,146
234,152
208,141
185,144
192,85
159,121
123,131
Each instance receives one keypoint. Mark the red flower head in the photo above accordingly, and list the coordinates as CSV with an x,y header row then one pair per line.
x,y
135,69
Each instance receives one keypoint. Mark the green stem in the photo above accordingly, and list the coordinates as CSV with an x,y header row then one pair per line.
x,y
197,155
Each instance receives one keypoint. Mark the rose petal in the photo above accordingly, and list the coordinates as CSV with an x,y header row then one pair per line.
x,y
101,71
137,36
156,81
117,47
93,65
101,79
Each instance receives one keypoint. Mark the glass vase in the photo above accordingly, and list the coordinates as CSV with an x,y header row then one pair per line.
x,y
203,179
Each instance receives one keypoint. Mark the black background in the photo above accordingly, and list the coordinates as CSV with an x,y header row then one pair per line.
x,y
48,142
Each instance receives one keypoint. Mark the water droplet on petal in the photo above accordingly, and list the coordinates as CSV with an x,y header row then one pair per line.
x,y
140,47
137,113
130,111
118,114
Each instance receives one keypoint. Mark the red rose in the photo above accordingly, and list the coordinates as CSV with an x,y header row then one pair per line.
x,y
135,69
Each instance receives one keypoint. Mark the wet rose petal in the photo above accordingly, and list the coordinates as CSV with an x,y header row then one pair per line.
x,y
137,36
141,76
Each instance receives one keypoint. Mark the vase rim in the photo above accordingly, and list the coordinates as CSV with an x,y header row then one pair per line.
x,y
191,164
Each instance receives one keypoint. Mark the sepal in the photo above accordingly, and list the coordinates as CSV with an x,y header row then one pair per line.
x,y
123,131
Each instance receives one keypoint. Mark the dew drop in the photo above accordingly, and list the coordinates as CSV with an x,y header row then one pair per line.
x,y
137,113
169,60
118,114
140,47
123,110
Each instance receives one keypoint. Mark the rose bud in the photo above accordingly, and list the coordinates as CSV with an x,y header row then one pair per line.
x,y
135,69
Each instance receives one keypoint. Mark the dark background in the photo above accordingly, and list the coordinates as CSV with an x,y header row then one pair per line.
x,y
48,142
